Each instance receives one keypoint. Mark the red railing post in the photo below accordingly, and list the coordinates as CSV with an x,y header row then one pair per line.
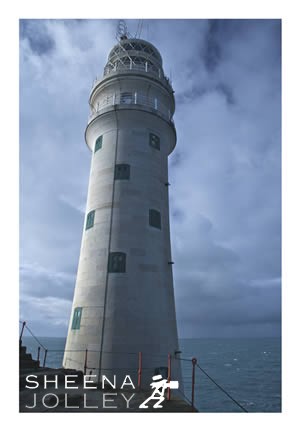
x,y
85,361
140,371
169,376
22,330
194,362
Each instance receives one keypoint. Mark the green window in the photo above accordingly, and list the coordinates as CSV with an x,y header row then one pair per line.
x,y
76,318
154,141
98,143
117,262
90,219
122,172
154,218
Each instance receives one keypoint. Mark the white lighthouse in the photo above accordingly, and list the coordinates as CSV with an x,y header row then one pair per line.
x,y
123,308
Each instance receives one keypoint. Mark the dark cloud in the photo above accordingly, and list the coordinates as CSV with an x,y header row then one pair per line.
x,y
176,158
177,214
36,34
212,50
227,92
228,308
41,282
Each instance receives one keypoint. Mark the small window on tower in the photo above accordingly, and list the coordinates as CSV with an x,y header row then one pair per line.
x,y
154,141
154,218
76,318
122,172
90,219
117,262
98,144
126,98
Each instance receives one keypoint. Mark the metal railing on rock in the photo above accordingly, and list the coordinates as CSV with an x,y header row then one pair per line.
x,y
40,344
139,367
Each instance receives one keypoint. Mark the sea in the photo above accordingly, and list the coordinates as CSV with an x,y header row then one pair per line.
x,y
249,370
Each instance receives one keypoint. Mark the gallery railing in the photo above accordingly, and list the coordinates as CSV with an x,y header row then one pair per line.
x,y
134,98
143,67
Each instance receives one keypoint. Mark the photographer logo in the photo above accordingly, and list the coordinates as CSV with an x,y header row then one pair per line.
x,y
159,385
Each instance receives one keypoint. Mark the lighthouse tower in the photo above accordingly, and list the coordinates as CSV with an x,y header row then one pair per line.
x,y
124,300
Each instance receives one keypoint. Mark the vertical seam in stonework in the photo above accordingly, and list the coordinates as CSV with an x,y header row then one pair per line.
x,y
171,267
109,245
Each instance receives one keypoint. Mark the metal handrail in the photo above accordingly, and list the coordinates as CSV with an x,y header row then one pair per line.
x,y
132,98
194,365
25,326
145,67
22,330
139,368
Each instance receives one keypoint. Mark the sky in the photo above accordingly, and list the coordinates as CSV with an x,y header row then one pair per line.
x,y
225,172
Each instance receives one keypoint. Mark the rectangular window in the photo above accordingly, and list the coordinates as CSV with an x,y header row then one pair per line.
x,y
90,219
154,141
122,172
117,262
76,318
98,143
154,218
126,98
